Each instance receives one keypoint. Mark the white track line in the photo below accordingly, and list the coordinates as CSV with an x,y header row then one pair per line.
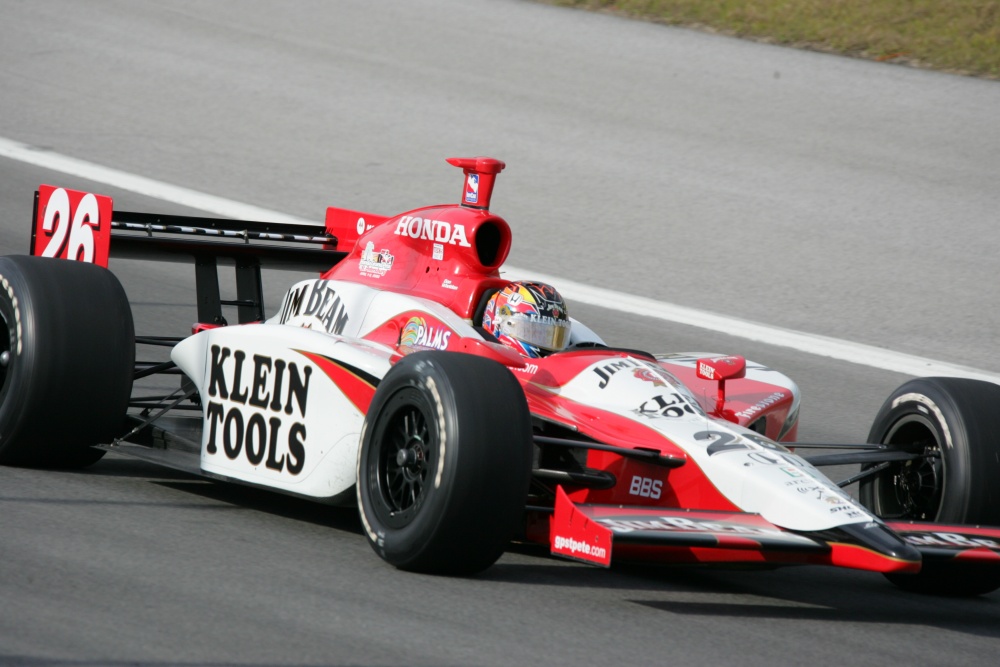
x,y
141,185
822,346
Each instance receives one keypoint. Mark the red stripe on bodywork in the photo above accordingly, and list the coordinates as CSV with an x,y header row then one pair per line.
x,y
357,390
862,558
980,555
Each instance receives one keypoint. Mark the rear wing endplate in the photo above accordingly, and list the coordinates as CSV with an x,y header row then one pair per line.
x,y
83,226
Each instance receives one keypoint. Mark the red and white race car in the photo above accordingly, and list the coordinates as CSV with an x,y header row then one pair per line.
x,y
399,379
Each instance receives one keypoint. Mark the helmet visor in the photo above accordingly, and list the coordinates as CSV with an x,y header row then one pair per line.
x,y
541,331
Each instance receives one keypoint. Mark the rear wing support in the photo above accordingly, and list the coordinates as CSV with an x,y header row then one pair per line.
x,y
249,291
249,300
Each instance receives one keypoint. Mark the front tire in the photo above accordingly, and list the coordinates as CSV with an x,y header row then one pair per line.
x,y
67,351
444,464
955,422
950,579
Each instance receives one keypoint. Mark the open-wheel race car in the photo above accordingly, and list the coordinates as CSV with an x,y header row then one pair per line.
x,y
460,410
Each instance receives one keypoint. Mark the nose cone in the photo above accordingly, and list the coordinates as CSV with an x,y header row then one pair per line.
x,y
871,546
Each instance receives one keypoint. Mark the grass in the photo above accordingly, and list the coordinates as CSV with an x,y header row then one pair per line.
x,y
960,36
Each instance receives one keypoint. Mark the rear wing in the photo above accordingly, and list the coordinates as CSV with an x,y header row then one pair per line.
x,y
83,226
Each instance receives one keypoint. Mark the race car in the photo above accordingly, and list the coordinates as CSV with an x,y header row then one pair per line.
x,y
461,411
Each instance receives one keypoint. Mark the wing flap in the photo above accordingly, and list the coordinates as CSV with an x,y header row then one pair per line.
x,y
587,532
941,542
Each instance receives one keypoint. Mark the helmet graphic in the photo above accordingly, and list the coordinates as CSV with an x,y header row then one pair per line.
x,y
530,317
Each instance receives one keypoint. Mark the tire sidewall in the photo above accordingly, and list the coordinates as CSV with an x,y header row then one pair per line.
x,y
19,386
70,378
394,542
478,483
942,406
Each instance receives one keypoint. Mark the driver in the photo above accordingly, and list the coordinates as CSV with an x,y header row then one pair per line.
x,y
529,317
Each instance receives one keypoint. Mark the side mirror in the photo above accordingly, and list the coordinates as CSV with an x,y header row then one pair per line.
x,y
721,369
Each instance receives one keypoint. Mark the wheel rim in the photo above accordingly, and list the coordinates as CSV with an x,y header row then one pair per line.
x,y
911,489
405,455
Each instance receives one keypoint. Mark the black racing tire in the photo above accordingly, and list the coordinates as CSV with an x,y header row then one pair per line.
x,y
945,578
67,354
957,421
444,463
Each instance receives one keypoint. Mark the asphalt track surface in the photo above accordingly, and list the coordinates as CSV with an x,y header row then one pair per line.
x,y
832,196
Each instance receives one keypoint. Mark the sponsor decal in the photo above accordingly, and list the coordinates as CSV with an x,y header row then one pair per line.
x,y
675,524
319,301
275,433
575,536
472,189
840,504
644,487
571,546
606,371
950,540
775,458
760,405
721,368
438,251
417,333
765,459
528,368
640,370
670,405
837,503
432,230
375,264
649,376
447,284
848,511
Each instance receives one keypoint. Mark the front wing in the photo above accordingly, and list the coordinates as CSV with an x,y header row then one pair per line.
x,y
591,533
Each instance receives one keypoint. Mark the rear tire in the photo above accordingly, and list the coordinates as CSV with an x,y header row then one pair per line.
x,y
67,351
444,464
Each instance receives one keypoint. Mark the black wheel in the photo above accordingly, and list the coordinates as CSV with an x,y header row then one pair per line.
x,y
955,422
444,464
67,351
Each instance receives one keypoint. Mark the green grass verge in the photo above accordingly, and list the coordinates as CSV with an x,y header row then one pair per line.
x,y
961,36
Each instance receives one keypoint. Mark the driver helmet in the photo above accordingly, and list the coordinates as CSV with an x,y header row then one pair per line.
x,y
529,317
